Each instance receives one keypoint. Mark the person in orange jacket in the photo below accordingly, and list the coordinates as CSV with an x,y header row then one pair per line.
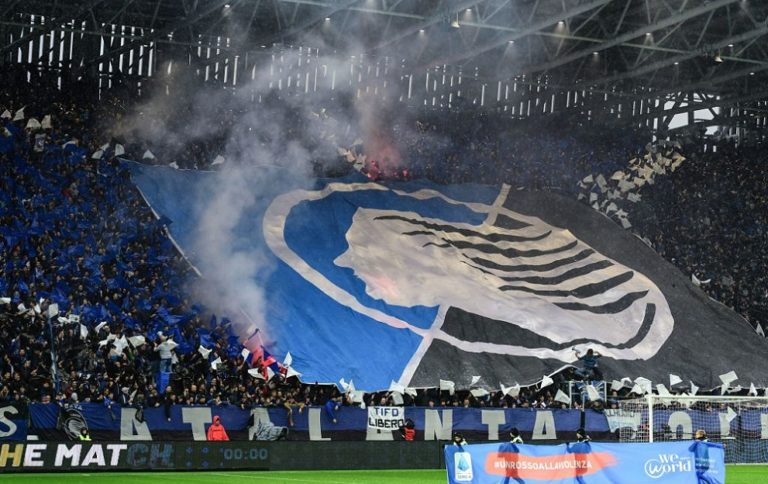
x,y
217,431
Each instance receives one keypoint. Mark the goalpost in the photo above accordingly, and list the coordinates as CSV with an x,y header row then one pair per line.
x,y
739,423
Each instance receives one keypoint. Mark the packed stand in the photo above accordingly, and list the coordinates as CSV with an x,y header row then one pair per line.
x,y
76,233
90,277
710,218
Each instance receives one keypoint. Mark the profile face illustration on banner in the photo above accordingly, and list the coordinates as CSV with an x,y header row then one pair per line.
x,y
538,277
404,253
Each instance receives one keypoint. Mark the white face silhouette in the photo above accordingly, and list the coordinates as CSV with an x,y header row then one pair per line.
x,y
538,277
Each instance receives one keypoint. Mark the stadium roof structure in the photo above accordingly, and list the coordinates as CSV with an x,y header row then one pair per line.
x,y
619,46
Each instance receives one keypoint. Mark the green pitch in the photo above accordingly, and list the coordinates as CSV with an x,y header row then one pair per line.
x,y
748,474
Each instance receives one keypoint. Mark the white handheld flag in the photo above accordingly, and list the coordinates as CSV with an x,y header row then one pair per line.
x,y
662,390
512,391
694,389
645,384
562,397
674,380
53,310
475,379
254,372
203,351
291,372
728,378
121,344
448,385
396,387
546,381
593,394
357,397
478,392
137,341
695,280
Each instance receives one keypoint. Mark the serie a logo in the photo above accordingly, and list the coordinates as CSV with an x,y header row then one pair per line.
x,y
462,466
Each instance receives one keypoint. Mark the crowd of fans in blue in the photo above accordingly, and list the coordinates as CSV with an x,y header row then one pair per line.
x,y
76,233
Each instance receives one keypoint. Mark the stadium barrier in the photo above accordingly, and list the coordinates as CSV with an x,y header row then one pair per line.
x,y
141,456
51,422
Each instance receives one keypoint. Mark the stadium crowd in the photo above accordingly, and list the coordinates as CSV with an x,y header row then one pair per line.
x,y
77,234
711,220
546,154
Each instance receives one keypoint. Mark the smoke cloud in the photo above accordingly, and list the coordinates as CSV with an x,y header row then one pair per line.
x,y
271,137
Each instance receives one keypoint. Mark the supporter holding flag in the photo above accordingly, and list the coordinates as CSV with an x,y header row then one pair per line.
x,y
331,407
269,361
165,348
700,449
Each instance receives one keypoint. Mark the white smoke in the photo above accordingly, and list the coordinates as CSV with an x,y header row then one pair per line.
x,y
268,146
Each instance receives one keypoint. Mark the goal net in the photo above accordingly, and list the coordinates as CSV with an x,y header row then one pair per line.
x,y
739,423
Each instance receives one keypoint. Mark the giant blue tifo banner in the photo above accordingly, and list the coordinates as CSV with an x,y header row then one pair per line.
x,y
690,462
414,282
113,423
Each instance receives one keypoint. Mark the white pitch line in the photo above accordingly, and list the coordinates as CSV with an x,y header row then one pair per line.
x,y
275,478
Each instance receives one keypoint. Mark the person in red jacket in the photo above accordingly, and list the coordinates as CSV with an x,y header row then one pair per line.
x,y
217,431
408,431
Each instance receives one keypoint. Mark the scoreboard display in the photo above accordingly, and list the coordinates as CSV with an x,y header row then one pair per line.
x,y
225,455
41,456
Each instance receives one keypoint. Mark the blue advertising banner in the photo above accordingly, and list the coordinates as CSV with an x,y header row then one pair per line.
x,y
54,422
689,462
13,423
